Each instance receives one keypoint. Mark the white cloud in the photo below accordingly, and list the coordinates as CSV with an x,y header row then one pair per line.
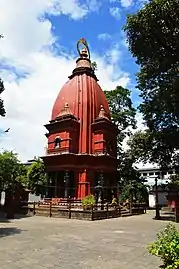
x,y
127,3
124,3
104,36
115,12
27,46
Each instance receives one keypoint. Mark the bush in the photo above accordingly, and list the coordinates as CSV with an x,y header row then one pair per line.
x,y
88,201
167,247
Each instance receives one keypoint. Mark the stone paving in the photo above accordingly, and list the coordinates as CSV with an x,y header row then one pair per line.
x,y
44,243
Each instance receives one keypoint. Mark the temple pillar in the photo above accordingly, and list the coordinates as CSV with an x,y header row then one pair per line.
x,y
76,184
82,188
56,182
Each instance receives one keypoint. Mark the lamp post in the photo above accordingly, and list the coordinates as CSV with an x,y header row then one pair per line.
x,y
131,196
66,182
157,210
99,190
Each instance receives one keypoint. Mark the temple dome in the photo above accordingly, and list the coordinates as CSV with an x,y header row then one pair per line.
x,y
84,96
82,93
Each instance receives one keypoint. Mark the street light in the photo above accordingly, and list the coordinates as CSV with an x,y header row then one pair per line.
x,y
99,190
131,195
66,182
157,210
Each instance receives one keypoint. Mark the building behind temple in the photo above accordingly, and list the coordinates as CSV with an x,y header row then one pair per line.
x,y
150,175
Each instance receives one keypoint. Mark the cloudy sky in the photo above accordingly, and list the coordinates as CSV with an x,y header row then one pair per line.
x,y
38,54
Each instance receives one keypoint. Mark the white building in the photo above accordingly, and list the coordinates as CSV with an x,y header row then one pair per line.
x,y
150,175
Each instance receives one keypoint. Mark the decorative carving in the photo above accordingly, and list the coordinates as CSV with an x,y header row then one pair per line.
x,y
65,111
102,113
85,52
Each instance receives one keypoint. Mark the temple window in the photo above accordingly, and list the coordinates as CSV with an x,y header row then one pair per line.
x,y
57,142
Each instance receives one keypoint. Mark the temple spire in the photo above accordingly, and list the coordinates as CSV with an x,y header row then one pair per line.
x,y
83,63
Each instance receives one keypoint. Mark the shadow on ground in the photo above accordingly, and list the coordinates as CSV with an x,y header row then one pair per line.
x,y
6,231
167,216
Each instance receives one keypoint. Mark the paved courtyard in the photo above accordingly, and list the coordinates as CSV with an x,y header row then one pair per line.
x,y
41,243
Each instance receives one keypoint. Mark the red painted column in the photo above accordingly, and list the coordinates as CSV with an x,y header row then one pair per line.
x,y
82,185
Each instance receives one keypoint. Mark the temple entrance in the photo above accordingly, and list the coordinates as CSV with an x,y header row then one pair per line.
x,y
61,184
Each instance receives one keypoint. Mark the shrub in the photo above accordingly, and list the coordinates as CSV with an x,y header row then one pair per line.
x,y
88,201
167,247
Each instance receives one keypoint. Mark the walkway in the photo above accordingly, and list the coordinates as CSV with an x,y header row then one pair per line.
x,y
42,243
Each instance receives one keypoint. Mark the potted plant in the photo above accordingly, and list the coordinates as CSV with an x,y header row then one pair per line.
x,y
167,247
88,202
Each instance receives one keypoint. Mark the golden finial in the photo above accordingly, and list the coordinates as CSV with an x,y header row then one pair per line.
x,y
66,105
85,50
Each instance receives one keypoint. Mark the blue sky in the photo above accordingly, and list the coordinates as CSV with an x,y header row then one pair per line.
x,y
38,53
103,31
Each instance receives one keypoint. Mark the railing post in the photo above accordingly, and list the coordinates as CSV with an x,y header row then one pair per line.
x,y
107,210
50,213
92,213
176,213
34,208
119,210
69,208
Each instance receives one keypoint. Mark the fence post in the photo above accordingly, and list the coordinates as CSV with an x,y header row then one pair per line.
x,y
177,213
92,211
34,208
69,208
107,210
119,210
50,213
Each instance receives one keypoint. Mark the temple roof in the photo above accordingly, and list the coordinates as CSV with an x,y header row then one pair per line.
x,y
82,93
83,97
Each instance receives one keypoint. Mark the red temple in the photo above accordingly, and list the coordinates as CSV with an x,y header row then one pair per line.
x,y
81,151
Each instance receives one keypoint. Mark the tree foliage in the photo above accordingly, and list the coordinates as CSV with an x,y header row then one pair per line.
x,y
166,247
11,170
174,182
123,116
94,66
122,112
2,110
152,34
130,180
37,180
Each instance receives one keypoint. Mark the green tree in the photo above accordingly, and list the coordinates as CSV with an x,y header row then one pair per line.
x,y
36,174
141,145
123,116
122,112
10,169
130,180
94,66
152,35
174,182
